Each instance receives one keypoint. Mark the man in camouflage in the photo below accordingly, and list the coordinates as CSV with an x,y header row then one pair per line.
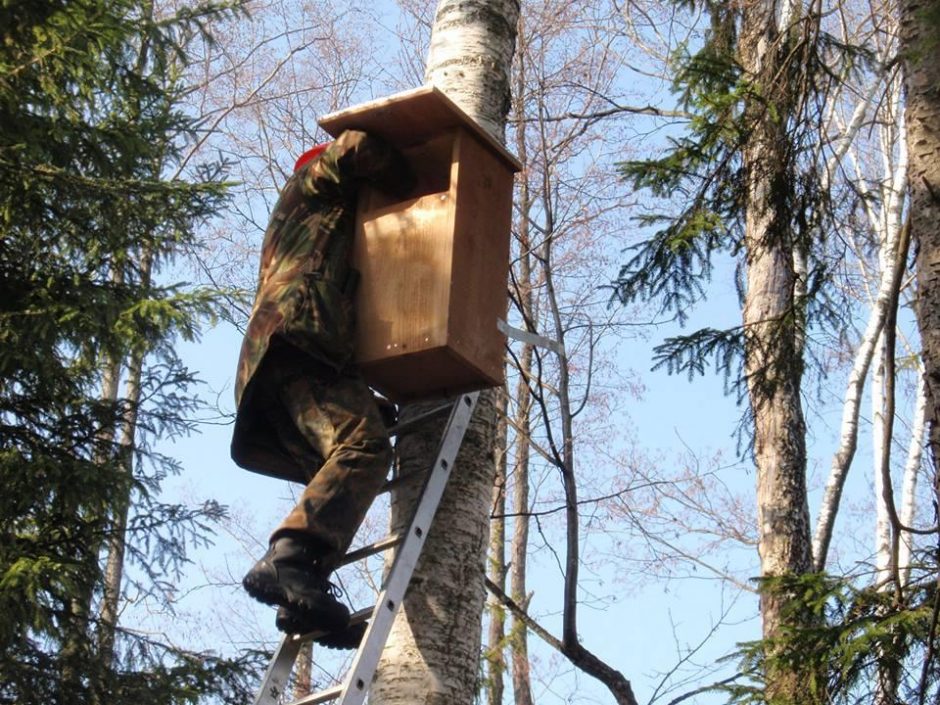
x,y
304,413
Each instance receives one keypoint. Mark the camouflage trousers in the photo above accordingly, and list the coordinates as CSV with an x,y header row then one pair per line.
x,y
330,423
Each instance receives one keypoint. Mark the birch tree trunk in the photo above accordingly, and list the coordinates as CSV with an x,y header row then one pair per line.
x,y
887,224
920,44
496,638
432,655
773,363
885,682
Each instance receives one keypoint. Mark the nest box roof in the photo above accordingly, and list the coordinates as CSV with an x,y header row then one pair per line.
x,y
411,117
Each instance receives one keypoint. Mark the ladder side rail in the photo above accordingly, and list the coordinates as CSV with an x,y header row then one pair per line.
x,y
276,678
359,677
366,661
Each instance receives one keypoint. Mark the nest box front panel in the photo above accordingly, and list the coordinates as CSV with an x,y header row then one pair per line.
x,y
404,258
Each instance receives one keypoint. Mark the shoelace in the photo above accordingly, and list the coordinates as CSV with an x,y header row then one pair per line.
x,y
334,590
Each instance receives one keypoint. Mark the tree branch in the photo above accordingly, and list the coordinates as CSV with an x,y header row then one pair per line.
x,y
579,656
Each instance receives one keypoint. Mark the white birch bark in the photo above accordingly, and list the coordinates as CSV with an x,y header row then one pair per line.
x,y
433,652
890,225
472,45
883,682
432,655
886,223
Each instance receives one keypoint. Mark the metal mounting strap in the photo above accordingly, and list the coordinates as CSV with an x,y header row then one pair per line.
x,y
524,336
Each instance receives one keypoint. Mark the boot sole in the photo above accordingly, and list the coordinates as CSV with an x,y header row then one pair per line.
x,y
266,592
332,617
290,622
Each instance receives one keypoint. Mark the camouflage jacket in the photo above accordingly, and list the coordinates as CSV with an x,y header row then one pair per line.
x,y
305,283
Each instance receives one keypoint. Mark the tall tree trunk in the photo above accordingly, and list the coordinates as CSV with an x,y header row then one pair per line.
x,y
496,638
75,627
909,483
117,536
882,520
116,542
887,223
433,652
772,320
519,647
920,46
885,684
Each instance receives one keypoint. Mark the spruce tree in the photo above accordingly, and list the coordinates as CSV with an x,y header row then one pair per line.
x,y
90,210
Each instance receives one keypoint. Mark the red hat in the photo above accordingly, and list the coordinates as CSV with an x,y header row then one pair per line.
x,y
310,154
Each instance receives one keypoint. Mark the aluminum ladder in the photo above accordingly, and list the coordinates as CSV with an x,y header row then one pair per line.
x,y
355,685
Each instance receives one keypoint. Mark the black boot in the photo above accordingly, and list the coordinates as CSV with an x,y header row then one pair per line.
x,y
292,620
288,575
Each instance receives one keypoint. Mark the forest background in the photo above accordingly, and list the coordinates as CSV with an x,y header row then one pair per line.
x,y
608,103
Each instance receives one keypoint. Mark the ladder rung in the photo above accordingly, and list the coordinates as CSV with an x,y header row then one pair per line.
x,y
396,482
370,550
400,428
361,615
324,696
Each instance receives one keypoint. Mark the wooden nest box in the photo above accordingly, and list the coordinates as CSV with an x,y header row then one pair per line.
x,y
434,266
